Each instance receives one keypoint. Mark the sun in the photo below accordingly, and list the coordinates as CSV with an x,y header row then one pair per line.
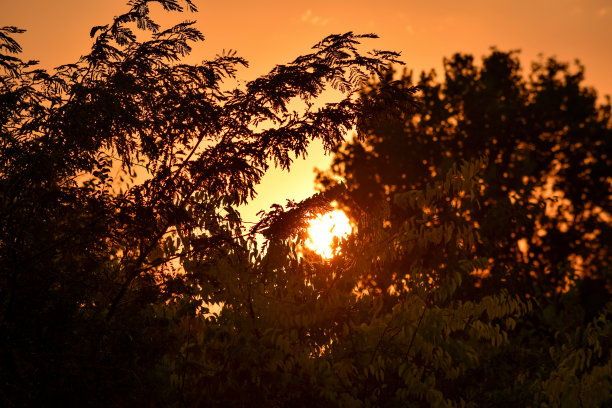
x,y
324,228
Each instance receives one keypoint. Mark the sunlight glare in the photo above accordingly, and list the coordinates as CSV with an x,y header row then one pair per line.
x,y
324,228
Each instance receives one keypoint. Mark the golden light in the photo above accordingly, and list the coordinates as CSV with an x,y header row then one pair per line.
x,y
324,228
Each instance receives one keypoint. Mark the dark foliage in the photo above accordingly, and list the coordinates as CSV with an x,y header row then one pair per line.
x,y
116,167
541,216
544,211
127,278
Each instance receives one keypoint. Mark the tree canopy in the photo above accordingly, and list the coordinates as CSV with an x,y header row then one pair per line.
x,y
128,279
544,209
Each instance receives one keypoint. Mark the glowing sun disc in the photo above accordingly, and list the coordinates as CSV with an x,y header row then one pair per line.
x,y
324,228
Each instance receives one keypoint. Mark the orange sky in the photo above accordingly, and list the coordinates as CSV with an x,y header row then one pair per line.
x,y
267,32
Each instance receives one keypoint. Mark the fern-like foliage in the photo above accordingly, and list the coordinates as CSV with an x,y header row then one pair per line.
x,y
116,168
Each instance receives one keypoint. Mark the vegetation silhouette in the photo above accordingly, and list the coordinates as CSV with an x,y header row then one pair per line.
x,y
544,209
128,279
542,212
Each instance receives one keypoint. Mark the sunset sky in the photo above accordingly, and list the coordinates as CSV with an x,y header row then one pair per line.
x,y
271,32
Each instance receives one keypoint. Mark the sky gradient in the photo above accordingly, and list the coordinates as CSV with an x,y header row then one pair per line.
x,y
267,33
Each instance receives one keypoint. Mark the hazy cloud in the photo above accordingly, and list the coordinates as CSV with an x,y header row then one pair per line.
x,y
309,17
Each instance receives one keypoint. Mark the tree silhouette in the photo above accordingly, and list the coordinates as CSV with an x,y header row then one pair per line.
x,y
537,224
88,247
127,278
544,211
